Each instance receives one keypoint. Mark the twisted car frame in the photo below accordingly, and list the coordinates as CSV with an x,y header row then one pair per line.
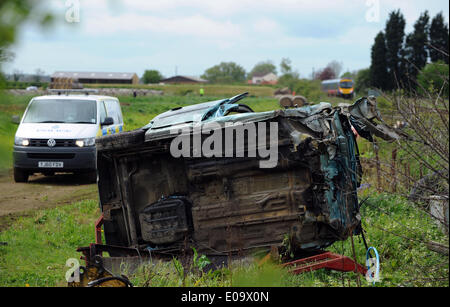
x,y
153,202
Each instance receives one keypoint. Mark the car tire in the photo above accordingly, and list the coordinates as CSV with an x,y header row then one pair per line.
x,y
20,175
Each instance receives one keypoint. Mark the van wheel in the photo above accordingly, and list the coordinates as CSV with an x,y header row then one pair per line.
x,y
20,175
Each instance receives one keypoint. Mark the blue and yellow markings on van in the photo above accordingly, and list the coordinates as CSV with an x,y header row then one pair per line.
x,y
110,130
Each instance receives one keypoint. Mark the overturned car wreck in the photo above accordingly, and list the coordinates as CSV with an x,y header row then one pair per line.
x,y
293,179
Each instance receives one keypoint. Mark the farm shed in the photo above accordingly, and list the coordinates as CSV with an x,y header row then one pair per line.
x,y
184,79
98,77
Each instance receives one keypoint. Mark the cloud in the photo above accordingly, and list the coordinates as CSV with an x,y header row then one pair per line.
x,y
195,26
196,34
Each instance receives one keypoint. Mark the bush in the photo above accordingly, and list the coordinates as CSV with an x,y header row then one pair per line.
x,y
308,88
362,82
24,85
151,76
433,78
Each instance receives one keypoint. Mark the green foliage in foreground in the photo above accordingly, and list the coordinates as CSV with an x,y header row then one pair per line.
x,y
9,105
39,244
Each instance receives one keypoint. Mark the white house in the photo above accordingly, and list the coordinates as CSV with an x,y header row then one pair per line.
x,y
263,78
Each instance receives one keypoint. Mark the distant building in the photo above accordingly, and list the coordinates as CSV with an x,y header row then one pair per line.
x,y
184,79
97,77
28,78
264,78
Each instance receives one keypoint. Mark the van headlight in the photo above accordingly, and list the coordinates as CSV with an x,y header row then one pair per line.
x,y
85,142
21,141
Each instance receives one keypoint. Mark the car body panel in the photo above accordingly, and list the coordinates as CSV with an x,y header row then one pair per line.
x,y
308,200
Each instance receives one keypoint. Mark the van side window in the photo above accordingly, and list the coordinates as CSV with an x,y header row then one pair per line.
x,y
119,112
102,112
113,110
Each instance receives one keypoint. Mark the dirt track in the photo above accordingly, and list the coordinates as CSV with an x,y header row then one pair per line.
x,y
40,192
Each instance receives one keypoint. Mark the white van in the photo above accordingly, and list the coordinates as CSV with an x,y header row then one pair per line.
x,y
57,134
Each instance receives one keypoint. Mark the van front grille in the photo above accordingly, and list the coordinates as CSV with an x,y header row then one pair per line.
x,y
59,143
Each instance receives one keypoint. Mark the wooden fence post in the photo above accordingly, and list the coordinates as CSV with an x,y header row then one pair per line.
x,y
393,170
377,161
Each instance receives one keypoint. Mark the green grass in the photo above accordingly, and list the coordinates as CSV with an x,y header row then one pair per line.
x,y
39,244
9,105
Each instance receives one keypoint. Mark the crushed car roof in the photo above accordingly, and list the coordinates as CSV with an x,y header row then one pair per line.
x,y
362,114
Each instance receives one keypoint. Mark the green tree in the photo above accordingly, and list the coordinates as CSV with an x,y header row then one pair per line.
x,y
263,68
394,36
225,72
433,78
439,41
286,66
13,13
289,78
349,75
151,76
378,72
416,52
311,89
362,80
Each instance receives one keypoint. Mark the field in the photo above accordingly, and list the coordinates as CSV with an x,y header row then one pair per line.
x,y
40,241
193,89
39,245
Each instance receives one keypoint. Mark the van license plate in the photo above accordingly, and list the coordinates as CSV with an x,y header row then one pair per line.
x,y
51,164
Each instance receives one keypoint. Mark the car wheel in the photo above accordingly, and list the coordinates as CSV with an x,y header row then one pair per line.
x,y
20,175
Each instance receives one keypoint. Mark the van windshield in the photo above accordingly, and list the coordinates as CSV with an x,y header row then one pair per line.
x,y
69,111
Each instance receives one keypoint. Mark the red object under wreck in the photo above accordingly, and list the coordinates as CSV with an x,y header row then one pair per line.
x,y
326,260
98,230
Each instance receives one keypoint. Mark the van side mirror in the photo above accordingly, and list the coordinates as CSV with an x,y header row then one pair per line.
x,y
15,119
107,121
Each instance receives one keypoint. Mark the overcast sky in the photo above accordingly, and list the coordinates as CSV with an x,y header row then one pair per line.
x,y
193,35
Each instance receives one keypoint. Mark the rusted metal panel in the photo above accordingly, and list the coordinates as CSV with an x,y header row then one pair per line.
x,y
152,200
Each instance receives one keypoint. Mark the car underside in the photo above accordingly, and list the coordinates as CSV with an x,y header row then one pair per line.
x,y
229,202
